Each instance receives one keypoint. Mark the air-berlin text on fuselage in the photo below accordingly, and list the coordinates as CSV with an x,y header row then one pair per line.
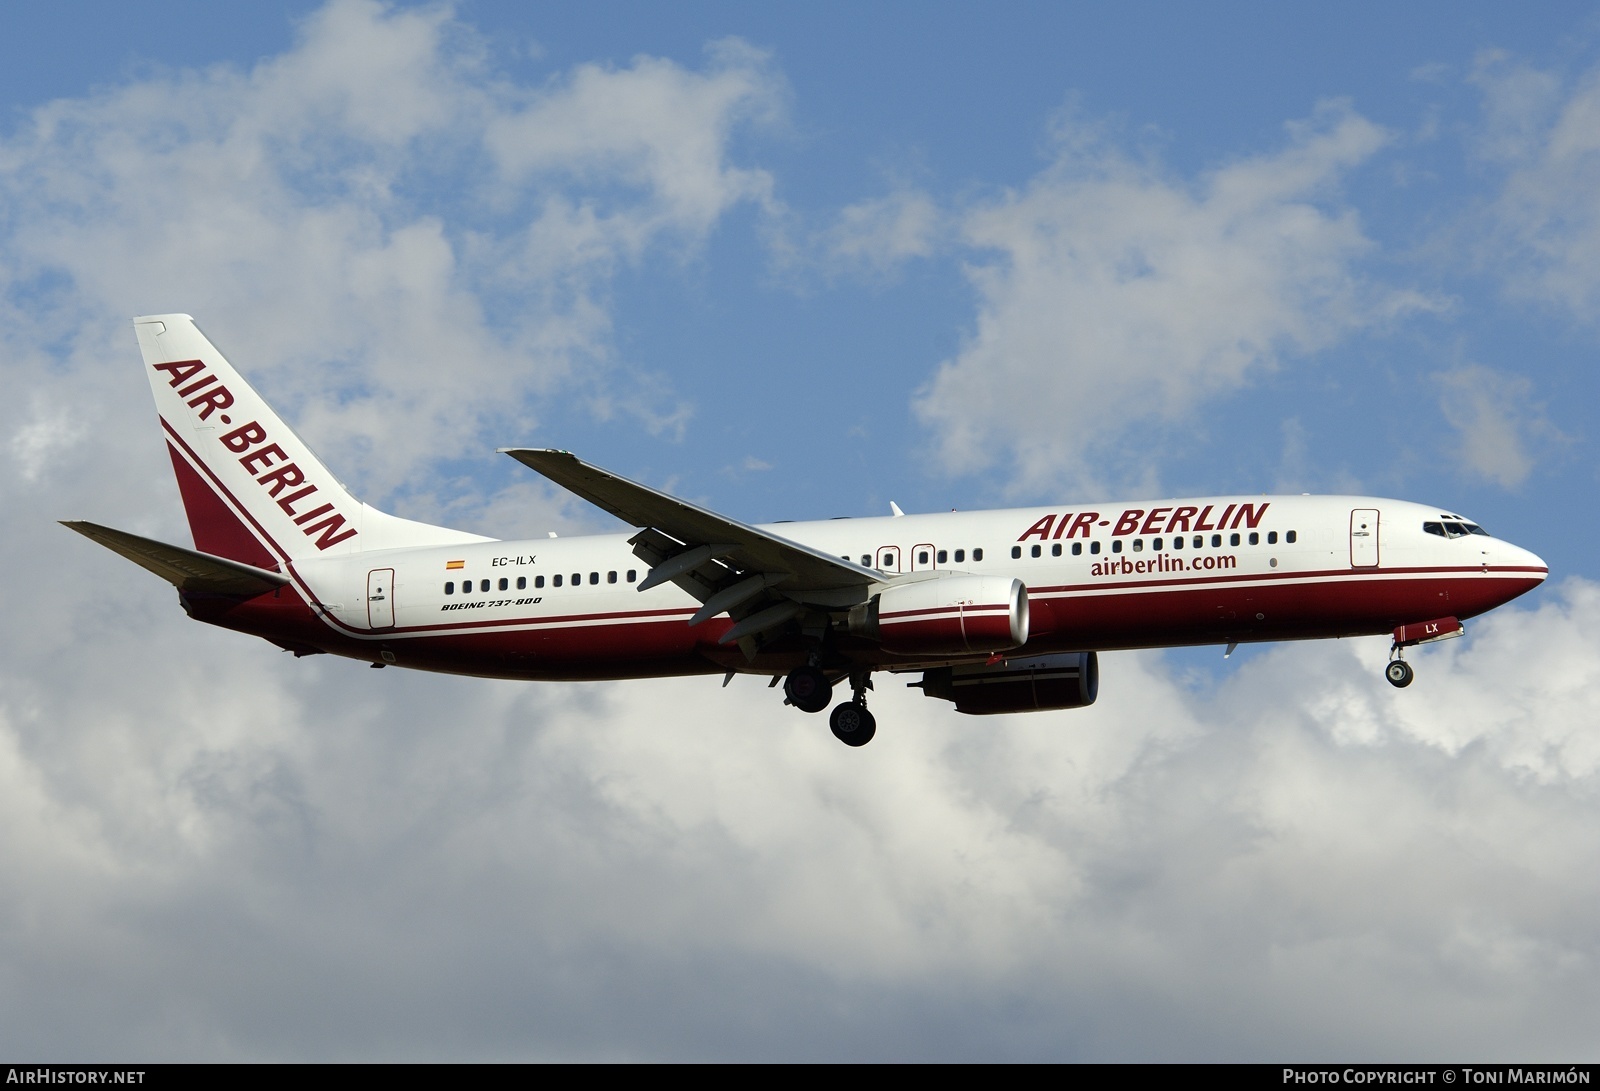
x,y
1176,520
206,396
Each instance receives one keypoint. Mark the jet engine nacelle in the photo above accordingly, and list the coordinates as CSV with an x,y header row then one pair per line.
x,y
1069,680
952,616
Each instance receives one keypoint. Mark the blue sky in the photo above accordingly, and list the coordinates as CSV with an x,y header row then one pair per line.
x,y
795,264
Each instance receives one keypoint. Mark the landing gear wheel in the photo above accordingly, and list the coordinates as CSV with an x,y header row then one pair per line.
x,y
808,689
1398,672
852,724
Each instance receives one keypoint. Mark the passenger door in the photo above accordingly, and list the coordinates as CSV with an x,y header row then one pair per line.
x,y
1364,538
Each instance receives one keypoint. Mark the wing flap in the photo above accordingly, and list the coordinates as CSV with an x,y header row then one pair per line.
x,y
185,569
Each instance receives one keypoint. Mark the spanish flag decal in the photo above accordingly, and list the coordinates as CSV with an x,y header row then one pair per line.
x,y
451,566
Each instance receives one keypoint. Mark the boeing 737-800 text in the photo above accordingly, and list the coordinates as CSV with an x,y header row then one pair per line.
x,y
998,611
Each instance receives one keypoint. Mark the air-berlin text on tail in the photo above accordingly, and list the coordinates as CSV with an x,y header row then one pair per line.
x,y
284,481
1179,520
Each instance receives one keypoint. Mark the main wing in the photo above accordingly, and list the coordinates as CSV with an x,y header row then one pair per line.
x,y
762,580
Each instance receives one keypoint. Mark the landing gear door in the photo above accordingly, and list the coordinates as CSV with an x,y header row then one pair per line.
x,y
380,598
1364,538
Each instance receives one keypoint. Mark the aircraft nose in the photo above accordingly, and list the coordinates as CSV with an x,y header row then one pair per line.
x,y
1519,570
1525,560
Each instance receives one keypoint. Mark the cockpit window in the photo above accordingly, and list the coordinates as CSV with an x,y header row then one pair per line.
x,y
1453,528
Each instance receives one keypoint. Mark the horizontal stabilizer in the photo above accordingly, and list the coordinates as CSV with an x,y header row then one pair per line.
x,y
185,569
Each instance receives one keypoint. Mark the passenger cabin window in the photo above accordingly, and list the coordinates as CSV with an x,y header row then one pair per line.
x,y
1272,537
1255,537
1233,539
1055,550
942,556
556,580
505,584
633,574
611,577
1138,545
977,554
1116,545
961,556
483,585
522,583
1077,549
1289,537
922,556
450,587
1216,540
1094,547
538,581
1016,553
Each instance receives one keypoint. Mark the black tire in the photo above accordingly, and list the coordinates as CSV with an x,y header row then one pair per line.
x,y
1398,672
808,689
852,724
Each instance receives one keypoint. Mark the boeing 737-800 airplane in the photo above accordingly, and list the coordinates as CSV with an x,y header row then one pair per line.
x,y
998,611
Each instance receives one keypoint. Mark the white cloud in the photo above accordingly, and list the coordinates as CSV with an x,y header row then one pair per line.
x,y
218,851
311,213
883,232
49,429
1122,295
653,127
1544,238
1496,419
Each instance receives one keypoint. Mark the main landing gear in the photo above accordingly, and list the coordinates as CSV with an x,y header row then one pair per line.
x,y
852,724
808,689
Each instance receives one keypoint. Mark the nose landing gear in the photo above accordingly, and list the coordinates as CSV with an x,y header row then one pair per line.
x,y
1398,672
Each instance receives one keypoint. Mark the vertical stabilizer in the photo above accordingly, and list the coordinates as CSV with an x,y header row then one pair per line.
x,y
253,491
